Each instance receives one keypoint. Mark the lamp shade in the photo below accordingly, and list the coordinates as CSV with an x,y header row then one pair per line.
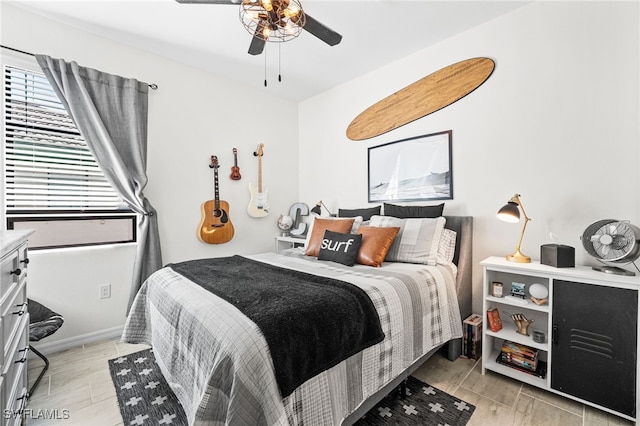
x,y
317,210
509,212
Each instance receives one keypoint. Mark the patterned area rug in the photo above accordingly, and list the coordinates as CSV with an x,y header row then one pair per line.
x,y
145,398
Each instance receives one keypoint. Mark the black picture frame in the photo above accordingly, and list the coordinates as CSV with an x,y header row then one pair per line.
x,y
412,169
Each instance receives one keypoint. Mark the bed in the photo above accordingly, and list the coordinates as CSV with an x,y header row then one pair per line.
x,y
223,370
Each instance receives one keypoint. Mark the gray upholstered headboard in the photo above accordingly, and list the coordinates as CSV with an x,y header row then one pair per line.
x,y
463,226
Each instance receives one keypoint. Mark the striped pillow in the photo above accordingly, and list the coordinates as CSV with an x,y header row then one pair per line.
x,y
417,241
447,247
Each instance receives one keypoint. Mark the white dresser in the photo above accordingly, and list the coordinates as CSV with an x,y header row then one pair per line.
x,y
14,325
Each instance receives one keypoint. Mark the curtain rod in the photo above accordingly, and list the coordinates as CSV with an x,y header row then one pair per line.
x,y
152,86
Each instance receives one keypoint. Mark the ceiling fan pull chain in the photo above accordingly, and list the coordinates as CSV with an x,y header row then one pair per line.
x,y
279,62
265,67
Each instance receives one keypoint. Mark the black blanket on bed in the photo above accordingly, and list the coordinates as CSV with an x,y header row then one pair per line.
x,y
310,323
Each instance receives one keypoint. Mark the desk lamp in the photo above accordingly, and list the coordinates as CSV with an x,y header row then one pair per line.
x,y
510,212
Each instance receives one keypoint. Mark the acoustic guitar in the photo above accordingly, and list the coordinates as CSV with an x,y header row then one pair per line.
x,y
235,170
258,206
215,226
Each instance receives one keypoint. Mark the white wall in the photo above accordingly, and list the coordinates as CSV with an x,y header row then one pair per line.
x,y
192,116
558,122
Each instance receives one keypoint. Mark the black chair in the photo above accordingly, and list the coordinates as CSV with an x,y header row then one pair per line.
x,y
43,322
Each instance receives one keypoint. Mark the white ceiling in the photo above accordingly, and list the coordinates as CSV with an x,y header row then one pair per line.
x,y
211,37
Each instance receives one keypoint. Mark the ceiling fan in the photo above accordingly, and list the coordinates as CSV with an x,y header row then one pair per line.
x,y
275,21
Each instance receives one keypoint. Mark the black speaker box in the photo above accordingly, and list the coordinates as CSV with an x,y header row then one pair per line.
x,y
558,255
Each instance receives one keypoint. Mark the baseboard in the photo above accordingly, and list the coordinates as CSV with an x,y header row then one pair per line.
x,y
76,341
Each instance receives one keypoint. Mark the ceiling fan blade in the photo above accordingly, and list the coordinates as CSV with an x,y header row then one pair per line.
x,y
211,1
257,41
321,31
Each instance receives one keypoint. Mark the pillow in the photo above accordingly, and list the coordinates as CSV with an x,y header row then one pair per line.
x,y
447,247
341,248
357,221
365,213
319,226
404,212
376,242
417,241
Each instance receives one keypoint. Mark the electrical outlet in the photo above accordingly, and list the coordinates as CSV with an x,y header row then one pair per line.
x,y
105,291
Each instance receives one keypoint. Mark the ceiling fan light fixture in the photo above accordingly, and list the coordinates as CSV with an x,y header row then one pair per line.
x,y
291,10
267,5
272,20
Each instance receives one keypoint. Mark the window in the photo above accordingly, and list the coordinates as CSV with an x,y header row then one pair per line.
x,y
52,183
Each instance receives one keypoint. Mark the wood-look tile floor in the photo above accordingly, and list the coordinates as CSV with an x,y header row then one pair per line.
x,y
77,389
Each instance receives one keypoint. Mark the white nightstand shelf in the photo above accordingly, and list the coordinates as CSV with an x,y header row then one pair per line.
x,y
591,332
283,243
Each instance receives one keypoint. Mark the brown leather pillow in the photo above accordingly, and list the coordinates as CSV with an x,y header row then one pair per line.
x,y
376,242
342,226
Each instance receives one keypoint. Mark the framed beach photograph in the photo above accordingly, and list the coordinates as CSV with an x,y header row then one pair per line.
x,y
417,168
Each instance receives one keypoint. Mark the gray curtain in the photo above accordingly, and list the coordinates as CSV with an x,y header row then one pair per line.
x,y
111,114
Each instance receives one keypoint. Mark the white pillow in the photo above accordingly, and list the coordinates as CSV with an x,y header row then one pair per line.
x,y
447,247
357,221
417,241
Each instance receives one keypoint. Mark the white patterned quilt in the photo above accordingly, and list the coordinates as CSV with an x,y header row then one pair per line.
x,y
218,363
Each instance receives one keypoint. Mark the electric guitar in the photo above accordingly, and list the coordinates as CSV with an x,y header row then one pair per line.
x,y
258,206
235,170
215,226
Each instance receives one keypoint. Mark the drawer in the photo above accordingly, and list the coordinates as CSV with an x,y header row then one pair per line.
x,y
4,418
16,397
13,311
9,272
18,352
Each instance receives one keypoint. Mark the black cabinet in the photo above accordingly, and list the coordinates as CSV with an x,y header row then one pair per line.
x,y
594,341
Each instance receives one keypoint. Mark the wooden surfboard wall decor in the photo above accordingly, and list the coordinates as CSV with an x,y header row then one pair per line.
x,y
425,96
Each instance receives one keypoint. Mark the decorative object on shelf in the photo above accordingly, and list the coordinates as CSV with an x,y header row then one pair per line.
x,y
417,168
612,241
215,225
258,205
318,209
558,255
538,336
235,170
299,228
496,289
510,212
493,319
284,224
522,323
539,294
421,98
517,289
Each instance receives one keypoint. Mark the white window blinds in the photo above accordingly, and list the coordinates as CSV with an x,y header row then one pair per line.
x,y
48,166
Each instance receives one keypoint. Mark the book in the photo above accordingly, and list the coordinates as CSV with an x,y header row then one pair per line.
x,y
472,337
540,371
520,350
493,318
521,356
519,361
